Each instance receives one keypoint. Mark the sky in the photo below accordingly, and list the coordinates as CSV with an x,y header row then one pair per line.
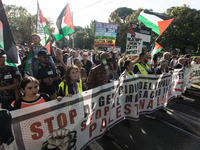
x,y
84,11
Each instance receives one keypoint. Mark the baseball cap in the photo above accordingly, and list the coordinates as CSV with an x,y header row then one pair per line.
x,y
2,53
43,53
105,56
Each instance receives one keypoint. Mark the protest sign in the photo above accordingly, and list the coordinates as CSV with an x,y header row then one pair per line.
x,y
177,79
196,73
75,122
140,32
105,34
188,72
133,45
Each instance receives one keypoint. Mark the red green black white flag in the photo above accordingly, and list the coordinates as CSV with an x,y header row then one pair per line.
x,y
64,24
156,21
7,41
157,48
41,27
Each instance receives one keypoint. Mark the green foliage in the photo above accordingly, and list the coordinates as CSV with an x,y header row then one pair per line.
x,y
123,12
184,31
19,18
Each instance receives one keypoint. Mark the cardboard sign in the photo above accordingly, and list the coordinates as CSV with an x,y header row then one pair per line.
x,y
133,45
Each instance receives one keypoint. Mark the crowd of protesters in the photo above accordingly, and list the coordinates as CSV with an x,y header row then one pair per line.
x,y
66,72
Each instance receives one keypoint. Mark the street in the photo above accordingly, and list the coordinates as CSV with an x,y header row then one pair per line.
x,y
176,127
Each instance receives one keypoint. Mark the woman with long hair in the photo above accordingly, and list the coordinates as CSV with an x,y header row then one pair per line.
x,y
72,83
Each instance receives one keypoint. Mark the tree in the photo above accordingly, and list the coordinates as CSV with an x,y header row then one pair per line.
x,y
123,12
184,31
20,23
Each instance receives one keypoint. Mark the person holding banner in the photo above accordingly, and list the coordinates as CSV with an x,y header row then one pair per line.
x,y
180,64
162,68
142,67
128,65
72,83
30,87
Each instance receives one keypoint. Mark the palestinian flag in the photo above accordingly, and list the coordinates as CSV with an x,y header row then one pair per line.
x,y
64,24
7,41
156,21
157,48
41,27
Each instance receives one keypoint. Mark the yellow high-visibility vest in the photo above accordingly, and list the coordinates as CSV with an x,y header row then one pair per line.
x,y
62,84
142,69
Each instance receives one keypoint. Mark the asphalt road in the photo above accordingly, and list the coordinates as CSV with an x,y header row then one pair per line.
x,y
176,127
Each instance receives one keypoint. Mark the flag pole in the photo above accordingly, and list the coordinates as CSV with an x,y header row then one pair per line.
x,y
37,15
72,33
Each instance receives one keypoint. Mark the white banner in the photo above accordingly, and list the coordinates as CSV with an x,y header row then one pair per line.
x,y
196,73
187,82
75,122
177,79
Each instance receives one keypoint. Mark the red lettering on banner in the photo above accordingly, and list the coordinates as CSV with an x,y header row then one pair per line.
x,y
162,99
150,105
38,132
83,125
62,120
91,118
49,123
106,109
98,114
92,128
142,104
126,108
136,105
117,112
170,92
158,104
72,114
109,119
103,124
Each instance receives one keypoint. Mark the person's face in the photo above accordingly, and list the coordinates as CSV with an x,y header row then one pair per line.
x,y
197,60
167,57
182,61
74,54
36,40
85,56
78,63
31,89
26,54
165,66
2,60
73,74
130,66
44,59
59,53
23,49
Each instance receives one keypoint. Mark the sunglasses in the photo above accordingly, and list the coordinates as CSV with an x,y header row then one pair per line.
x,y
45,57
